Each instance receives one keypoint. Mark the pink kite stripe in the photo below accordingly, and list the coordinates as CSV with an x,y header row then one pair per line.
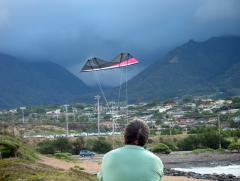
x,y
127,62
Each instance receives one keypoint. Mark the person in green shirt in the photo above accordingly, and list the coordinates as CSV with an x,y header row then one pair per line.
x,y
132,162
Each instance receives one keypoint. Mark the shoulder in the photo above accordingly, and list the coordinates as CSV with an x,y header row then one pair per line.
x,y
112,153
153,157
156,162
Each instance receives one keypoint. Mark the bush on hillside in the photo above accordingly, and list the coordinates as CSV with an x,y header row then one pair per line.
x,y
53,146
63,145
171,144
150,140
78,145
203,150
190,143
46,147
234,146
101,145
63,156
11,146
205,140
89,144
161,148
211,140
8,148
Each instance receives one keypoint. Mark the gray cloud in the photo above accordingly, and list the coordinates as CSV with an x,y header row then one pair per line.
x,y
69,31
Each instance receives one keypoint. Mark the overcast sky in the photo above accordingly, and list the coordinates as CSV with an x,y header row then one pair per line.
x,y
70,31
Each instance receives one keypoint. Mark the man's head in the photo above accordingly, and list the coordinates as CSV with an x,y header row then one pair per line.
x,y
136,133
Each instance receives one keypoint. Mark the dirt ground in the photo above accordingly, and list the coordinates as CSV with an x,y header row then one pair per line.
x,y
92,166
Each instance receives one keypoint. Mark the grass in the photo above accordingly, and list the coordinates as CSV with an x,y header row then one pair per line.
x,y
208,150
64,156
13,146
203,150
84,175
22,164
25,170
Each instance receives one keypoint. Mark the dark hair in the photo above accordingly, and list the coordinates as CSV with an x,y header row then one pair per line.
x,y
136,133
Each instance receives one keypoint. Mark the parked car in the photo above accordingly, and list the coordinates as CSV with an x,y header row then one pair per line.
x,y
86,153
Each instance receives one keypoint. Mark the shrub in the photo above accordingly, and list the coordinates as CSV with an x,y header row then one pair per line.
x,y
46,147
8,148
52,146
211,140
11,146
150,140
78,145
89,144
62,145
171,144
173,131
203,150
202,140
234,146
101,145
63,156
161,148
190,143
219,150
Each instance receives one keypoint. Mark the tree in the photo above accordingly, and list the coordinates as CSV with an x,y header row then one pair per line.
x,y
101,145
78,145
52,146
63,145
190,143
46,147
205,139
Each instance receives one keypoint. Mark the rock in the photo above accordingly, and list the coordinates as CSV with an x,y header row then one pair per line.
x,y
221,177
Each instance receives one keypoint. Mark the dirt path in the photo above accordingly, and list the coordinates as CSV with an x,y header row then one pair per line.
x,y
92,166
56,163
88,165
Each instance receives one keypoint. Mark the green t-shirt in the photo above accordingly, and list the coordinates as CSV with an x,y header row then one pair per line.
x,y
131,163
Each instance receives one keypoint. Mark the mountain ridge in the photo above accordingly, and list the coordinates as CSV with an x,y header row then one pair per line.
x,y
193,68
31,83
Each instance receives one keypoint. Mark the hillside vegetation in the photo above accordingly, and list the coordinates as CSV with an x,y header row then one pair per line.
x,y
19,162
13,147
33,83
195,68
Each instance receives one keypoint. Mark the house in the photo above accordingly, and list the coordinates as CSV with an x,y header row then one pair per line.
x,y
13,111
164,108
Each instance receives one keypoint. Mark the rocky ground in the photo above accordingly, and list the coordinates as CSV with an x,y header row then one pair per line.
x,y
189,159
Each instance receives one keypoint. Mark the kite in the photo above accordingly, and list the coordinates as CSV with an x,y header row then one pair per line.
x,y
121,60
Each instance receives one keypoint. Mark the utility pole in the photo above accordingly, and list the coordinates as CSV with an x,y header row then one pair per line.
x,y
113,132
74,112
23,108
219,132
113,126
66,114
98,98
170,129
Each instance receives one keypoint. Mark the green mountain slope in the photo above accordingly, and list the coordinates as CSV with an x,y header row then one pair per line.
x,y
193,68
31,83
